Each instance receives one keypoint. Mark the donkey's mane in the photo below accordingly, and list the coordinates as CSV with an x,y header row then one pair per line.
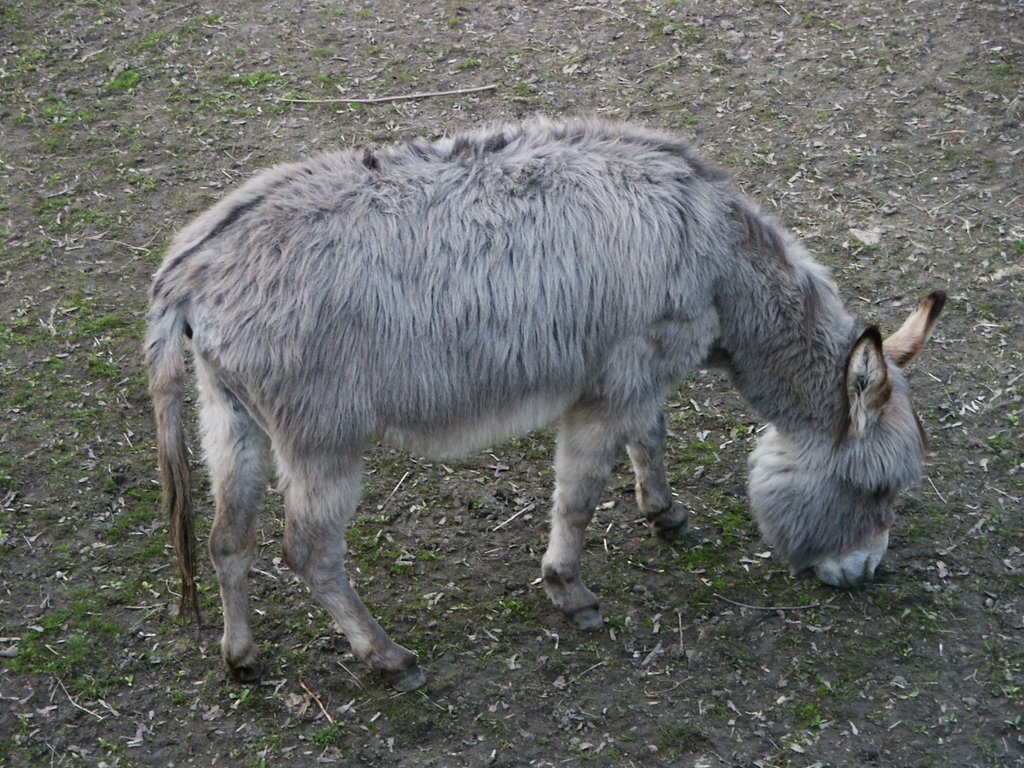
x,y
760,234
482,141
788,327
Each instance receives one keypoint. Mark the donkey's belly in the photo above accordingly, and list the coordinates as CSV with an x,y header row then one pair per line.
x,y
462,437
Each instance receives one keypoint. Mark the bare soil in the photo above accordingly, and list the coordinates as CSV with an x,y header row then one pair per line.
x,y
888,135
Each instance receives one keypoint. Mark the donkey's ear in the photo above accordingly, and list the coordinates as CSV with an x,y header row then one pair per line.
x,y
903,346
867,381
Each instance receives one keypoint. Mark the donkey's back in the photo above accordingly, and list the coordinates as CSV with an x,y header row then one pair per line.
x,y
444,294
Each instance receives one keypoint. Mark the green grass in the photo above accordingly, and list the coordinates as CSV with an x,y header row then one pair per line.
x,y
139,516
152,42
331,735
523,610
125,81
255,81
701,558
72,644
681,739
809,715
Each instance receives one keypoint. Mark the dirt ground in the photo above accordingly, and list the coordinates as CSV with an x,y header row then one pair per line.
x,y
887,135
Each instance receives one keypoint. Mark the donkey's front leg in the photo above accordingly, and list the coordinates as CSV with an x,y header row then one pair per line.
x,y
653,495
585,450
318,508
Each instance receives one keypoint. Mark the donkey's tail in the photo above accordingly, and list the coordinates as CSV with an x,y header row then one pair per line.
x,y
165,361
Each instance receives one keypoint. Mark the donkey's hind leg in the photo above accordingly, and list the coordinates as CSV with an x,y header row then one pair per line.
x,y
321,494
587,446
653,496
237,454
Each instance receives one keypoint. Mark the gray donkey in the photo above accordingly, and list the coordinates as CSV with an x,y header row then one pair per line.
x,y
443,295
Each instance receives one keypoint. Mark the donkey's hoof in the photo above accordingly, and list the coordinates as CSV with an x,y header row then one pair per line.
x,y
671,523
673,533
248,672
588,618
408,679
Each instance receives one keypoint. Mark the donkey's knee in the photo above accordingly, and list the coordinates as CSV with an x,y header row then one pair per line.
x,y
306,551
228,541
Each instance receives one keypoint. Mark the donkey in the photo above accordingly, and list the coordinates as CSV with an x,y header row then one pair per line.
x,y
439,296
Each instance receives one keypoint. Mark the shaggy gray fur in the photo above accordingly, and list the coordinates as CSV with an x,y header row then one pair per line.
x,y
441,296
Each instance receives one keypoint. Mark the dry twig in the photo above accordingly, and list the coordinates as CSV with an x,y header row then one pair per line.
x,y
768,607
384,99
319,703
677,55
75,703
393,492
527,508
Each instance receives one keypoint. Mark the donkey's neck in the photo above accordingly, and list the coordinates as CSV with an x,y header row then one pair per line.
x,y
787,337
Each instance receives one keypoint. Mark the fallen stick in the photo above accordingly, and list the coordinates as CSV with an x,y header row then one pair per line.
x,y
767,607
319,703
383,99
75,703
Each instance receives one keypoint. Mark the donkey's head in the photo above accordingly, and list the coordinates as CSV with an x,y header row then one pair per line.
x,y
827,501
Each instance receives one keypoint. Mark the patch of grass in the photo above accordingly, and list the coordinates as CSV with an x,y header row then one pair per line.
x,y
138,517
519,609
823,22
98,366
30,60
522,91
332,10
809,715
690,35
130,592
255,81
681,739
734,524
698,451
11,16
71,644
125,81
369,547
92,322
152,42
701,558
331,80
